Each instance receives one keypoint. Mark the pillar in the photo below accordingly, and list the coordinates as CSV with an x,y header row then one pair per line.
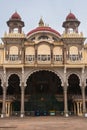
x,y
21,54
51,52
7,109
4,102
83,99
22,100
74,108
65,101
64,55
36,55
78,108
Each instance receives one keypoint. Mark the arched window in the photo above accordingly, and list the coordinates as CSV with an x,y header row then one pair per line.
x,y
30,54
74,53
57,53
13,53
43,37
44,53
15,30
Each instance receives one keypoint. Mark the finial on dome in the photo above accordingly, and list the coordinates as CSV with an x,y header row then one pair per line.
x,y
41,23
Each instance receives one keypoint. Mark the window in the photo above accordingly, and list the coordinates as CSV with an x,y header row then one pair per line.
x,y
43,37
29,57
43,57
13,57
32,39
15,30
74,57
57,57
74,54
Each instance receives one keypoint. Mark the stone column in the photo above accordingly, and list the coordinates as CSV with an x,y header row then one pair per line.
x,y
22,100
83,99
74,108
7,109
65,101
4,102
64,55
36,55
51,54
78,108
81,108
21,54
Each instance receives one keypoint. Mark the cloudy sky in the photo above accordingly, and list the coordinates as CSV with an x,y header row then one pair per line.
x,y
53,13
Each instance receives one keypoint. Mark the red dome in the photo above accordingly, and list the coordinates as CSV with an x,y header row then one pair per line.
x,y
70,16
44,28
16,16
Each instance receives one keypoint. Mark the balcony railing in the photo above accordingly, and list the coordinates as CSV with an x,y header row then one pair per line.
x,y
44,59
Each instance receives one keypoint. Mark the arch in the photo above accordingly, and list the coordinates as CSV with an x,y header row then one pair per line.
x,y
49,70
43,37
57,51
30,51
73,79
76,73
85,78
73,50
85,83
13,80
73,91
45,51
13,50
46,80
14,91
11,73
43,88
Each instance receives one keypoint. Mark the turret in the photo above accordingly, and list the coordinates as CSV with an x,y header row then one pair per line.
x,y
71,23
15,23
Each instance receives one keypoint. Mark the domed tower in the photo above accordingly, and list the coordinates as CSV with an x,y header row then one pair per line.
x,y
14,39
71,23
72,39
15,23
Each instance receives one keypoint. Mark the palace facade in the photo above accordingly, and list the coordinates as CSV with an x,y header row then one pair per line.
x,y
43,72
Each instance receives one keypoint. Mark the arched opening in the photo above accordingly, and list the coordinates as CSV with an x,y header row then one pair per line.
x,y
74,95
43,93
1,93
14,93
86,93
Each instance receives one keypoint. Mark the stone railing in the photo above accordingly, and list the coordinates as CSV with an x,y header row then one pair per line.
x,y
70,35
14,35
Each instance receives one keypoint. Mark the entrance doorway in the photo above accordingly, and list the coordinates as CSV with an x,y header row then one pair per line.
x,y
14,94
0,107
43,92
74,94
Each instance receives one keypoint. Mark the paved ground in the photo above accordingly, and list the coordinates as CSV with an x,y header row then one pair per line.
x,y
44,123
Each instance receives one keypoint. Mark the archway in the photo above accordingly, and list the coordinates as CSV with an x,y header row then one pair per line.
x,y
14,93
43,92
74,95
1,93
86,93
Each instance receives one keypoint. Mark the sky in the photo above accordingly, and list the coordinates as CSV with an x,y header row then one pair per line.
x,y
53,12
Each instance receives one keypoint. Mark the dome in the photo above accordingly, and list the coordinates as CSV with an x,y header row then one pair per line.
x,y
44,28
16,16
70,16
